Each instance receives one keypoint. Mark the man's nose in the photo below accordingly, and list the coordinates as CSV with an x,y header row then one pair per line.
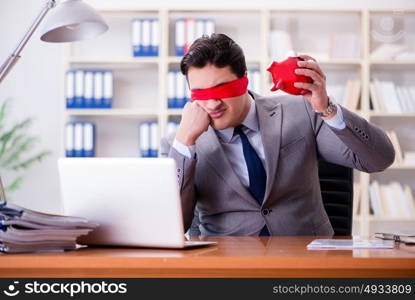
x,y
213,104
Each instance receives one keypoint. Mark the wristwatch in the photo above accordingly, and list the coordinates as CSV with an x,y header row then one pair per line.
x,y
325,113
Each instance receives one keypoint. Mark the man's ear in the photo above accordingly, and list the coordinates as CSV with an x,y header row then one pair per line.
x,y
246,73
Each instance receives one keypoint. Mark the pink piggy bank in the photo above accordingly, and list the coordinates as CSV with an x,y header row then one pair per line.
x,y
283,76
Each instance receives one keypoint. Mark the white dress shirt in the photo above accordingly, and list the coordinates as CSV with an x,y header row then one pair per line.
x,y
232,144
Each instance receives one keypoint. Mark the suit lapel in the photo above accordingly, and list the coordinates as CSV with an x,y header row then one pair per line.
x,y
270,119
209,147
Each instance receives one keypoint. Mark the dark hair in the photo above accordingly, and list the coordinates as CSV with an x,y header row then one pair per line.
x,y
217,49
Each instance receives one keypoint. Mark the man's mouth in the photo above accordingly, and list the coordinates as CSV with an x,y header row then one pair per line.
x,y
217,113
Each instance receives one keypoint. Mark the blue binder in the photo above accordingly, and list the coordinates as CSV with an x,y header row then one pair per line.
x,y
79,89
180,37
145,139
69,137
89,89
108,79
70,89
154,38
78,139
171,97
88,139
98,98
137,37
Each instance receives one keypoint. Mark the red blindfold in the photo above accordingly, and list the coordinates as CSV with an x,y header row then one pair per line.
x,y
234,88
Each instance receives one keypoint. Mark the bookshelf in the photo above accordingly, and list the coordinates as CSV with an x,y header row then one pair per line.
x,y
140,87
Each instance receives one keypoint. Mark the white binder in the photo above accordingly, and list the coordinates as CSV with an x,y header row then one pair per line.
x,y
89,141
108,89
180,37
136,37
171,90
146,35
70,89
78,140
79,88
180,89
154,140
190,33
145,139
69,145
155,37
98,89
89,89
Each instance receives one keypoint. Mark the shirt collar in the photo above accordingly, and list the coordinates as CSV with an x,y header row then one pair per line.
x,y
251,122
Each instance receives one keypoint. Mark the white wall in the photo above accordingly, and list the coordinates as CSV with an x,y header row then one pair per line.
x,y
36,83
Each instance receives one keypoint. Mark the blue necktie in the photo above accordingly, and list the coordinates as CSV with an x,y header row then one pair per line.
x,y
256,171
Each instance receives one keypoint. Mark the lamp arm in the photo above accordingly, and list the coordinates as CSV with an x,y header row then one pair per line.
x,y
14,57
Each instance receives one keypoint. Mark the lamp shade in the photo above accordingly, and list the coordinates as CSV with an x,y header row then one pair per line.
x,y
72,20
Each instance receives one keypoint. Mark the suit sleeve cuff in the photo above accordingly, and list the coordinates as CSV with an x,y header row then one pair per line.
x,y
188,151
337,121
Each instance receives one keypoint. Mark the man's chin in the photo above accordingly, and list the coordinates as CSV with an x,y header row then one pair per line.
x,y
218,124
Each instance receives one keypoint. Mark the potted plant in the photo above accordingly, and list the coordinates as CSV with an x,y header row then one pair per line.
x,y
16,149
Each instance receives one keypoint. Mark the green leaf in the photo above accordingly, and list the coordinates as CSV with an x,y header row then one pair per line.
x,y
15,185
15,143
28,162
14,146
14,155
6,137
3,110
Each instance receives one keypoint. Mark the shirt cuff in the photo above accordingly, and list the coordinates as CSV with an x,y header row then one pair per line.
x,y
337,121
184,150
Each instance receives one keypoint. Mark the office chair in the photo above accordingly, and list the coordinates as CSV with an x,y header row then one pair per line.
x,y
336,183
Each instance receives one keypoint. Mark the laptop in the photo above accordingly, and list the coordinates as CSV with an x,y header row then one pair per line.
x,y
136,201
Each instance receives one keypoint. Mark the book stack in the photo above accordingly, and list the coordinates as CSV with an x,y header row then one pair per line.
x,y
149,143
351,94
390,98
89,89
23,230
391,200
145,37
80,139
401,158
188,30
392,51
178,90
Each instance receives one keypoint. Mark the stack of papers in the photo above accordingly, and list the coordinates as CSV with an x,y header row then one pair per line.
x,y
339,244
24,230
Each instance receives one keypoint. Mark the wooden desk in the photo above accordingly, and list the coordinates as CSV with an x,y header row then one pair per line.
x,y
232,257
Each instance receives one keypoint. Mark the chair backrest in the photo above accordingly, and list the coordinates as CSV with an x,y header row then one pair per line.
x,y
336,183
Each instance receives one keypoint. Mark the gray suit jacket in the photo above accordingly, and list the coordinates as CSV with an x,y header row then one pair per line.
x,y
293,136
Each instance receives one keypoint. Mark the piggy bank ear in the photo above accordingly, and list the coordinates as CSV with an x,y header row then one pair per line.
x,y
272,66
